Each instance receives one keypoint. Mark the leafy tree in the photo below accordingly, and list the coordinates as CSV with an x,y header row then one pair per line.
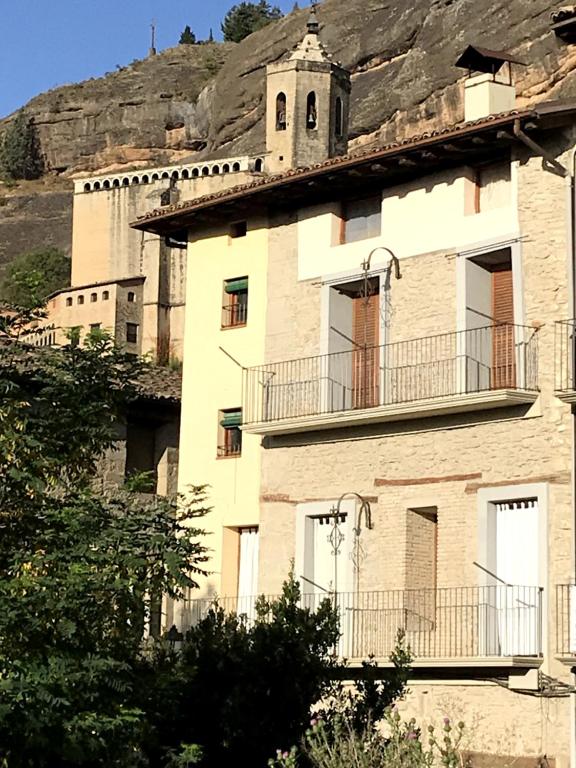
x,y
20,150
247,17
187,37
81,567
33,276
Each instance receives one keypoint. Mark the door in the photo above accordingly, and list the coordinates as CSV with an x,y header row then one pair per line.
x,y
366,354
248,572
518,572
503,342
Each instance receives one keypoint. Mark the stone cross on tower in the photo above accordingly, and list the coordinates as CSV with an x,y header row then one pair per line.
x,y
307,104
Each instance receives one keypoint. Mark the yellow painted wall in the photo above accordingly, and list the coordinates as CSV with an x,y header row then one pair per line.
x,y
212,382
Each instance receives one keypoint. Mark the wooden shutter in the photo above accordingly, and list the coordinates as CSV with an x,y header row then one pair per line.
x,y
366,355
503,350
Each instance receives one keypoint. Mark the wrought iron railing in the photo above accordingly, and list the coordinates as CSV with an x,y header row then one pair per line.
x,y
565,355
455,622
565,619
234,314
481,359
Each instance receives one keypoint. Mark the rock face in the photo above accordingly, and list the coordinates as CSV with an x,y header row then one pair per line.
x,y
209,99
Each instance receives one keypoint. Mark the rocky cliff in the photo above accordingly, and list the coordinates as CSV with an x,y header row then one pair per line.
x,y
199,100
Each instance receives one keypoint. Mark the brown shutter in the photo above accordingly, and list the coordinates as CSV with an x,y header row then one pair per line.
x,y
366,355
504,360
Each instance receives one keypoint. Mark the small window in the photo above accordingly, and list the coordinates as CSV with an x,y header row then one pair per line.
x,y
236,167
311,112
93,297
132,333
80,300
238,229
361,219
281,112
229,433
95,326
339,118
69,301
492,187
235,304
258,165
105,295
131,297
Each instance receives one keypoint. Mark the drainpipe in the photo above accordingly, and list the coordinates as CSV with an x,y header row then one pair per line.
x,y
552,165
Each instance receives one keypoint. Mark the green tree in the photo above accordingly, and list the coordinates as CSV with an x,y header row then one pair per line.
x,y
20,150
82,568
187,37
33,276
246,17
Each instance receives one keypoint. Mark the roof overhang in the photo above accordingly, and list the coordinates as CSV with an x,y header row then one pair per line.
x,y
467,143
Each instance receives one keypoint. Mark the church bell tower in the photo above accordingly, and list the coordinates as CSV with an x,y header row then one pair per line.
x,y
307,106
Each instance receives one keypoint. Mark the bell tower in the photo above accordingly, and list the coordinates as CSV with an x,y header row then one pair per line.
x,y
307,105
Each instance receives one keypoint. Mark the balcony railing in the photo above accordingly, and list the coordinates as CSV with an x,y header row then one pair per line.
x,y
496,357
448,623
566,620
565,349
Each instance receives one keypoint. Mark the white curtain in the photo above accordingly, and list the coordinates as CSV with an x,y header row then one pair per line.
x,y
518,571
248,571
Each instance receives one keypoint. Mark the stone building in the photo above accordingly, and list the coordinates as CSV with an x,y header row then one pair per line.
x,y
385,399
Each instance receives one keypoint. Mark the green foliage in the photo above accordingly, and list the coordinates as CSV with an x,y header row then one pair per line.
x,y
247,17
340,745
80,567
33,276
239,688
20,151
187,37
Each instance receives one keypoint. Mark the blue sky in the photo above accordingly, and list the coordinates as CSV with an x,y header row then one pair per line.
x,y
46,43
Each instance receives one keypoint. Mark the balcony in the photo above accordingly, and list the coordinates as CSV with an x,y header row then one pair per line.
x,y
566,622
564,353
457,626
483,368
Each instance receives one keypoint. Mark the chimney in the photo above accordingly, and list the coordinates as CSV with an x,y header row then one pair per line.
x,y
489,88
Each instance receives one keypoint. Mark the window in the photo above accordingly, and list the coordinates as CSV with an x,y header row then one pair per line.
x,y
105,295
311,112
93,297
238,229
80,300
235,303
229,433
69,301
131,297
281,112
258,165
95,326
491,187
361,219
132,333
339,118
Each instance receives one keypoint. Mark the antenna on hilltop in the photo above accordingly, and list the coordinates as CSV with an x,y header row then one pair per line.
x,y
152,51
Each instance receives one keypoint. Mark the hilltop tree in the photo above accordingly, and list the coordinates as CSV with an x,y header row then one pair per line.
x,y
246,17
187,37
33,276
20,150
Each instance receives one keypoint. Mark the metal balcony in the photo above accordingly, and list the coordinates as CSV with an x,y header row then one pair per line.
x,y
566,621
565,355
480,368
458,624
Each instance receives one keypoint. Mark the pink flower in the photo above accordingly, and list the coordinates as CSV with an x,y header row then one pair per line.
x,y
411,735
313,722
285,755
446,721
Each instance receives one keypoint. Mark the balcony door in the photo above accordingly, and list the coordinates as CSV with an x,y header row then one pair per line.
x,y
366,354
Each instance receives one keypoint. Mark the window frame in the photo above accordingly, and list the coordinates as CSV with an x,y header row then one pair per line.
x,y
234,304
129,327
346,218
229,444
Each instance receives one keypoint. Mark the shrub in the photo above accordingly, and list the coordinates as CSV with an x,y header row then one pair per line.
x,y
20,151
246,17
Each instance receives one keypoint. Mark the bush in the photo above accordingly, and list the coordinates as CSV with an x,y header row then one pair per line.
x,y
20,151
246,17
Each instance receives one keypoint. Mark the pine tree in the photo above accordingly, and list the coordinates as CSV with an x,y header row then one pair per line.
x,y
20,151
187,37
246,17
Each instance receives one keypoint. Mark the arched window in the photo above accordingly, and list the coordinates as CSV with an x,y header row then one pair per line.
x,y
80,300
311,114
165,175
281,112
215,170
131,297
87,187
205,171
125,181
145,179
106,184
116,183
69,301
195,173
93,297
339,118
236,167
258,165
96,185
154,177
135,180
105,295
175,175
185,173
